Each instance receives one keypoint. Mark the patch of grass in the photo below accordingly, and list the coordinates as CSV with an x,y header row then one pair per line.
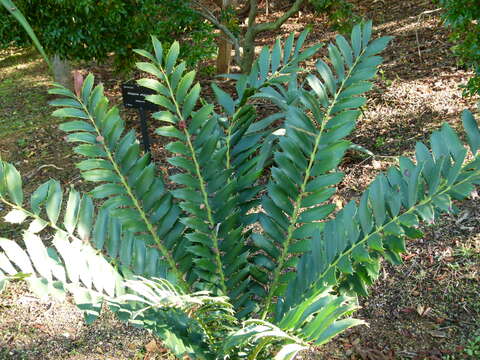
x,y
29,135
470,351
380,142
473,346
23,93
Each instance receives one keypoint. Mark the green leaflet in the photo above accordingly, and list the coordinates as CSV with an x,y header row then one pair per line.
x,y
53,201
13,183
472,130
76,125
224,100
85,218
171,57
71,212
70,112
313,147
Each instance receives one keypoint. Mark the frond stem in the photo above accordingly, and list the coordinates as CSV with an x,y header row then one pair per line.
x,y
229,136
171,262
203,190
36,217
297,205
379,229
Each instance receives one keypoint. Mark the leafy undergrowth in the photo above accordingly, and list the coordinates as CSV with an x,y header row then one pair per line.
x,y
428,308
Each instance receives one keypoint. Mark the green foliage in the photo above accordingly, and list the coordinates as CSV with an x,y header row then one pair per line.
x,y
463,17
229,17
341,15
241,256
86,29
473,346
12,9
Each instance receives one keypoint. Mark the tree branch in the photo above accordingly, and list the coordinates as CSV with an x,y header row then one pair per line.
x,y
244,10
208,15
252,14
279,22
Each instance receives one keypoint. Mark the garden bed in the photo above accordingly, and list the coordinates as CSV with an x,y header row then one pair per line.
x,y
428,308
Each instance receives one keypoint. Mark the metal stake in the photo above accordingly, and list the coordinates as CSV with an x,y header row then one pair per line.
x,y
144,128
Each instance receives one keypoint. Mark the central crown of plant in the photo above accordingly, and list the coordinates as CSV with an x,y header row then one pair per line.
x,y
240,251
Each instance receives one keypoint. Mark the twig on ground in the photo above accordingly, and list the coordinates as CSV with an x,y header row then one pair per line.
x,y
35,171
416,29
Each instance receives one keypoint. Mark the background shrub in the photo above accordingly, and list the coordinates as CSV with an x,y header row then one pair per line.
x,y
341,14
463,17
87,29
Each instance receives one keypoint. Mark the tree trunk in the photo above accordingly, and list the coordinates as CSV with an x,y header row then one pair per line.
x,y
249,39
254,29
62,72
224,57
248,52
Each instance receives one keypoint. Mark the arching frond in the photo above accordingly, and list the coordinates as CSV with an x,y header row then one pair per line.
x,y
304,170
131,190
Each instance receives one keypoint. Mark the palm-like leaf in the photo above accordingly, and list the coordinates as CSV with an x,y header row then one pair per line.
x,y
305,164
207,192
73,266
317,319
248,142
351,245
133,194
271,249
69,266
219,175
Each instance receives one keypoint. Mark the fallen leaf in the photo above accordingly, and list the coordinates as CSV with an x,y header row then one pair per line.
x,y
152,346
438,334
423,310
408,257
474,195
463,216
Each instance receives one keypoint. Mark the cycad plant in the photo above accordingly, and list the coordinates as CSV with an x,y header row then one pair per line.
x,y
240,253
